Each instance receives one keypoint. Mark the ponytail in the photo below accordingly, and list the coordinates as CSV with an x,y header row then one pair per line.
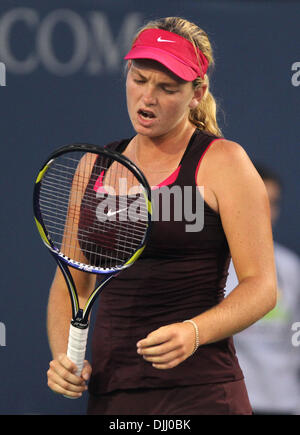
x,y
204,116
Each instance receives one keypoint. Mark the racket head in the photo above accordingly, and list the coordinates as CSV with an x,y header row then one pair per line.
x,y
82,183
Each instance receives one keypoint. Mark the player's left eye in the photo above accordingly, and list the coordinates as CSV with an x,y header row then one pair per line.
x,y
170,91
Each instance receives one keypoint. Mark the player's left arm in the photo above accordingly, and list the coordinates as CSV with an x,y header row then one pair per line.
x,y
244,210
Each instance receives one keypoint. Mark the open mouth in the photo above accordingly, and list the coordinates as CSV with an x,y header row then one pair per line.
x,y
146,113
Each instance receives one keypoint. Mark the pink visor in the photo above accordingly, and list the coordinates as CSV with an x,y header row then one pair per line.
x,y
173,51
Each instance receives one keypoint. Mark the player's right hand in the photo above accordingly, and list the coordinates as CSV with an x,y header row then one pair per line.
x,y
63,380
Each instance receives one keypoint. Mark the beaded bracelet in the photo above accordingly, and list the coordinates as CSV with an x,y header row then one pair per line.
x,y
197,341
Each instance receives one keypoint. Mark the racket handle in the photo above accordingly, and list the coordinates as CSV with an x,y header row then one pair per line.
x,y
77,346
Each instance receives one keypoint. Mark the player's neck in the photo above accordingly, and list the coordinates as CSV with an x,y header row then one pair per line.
x,y
163,148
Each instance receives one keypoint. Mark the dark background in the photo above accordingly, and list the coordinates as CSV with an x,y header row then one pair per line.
x,y
65,83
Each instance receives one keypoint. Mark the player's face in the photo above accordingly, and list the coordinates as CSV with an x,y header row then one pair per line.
x,y
158,101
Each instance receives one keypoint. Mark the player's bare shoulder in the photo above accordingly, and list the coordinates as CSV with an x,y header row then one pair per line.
x,y
224,160
227,153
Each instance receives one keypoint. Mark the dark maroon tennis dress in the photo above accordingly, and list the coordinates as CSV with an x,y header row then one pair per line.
x,y
181,273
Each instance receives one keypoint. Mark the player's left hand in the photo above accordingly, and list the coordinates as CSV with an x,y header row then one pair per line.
x,y
168,346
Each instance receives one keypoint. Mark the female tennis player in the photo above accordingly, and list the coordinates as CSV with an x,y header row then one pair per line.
x,y
162,342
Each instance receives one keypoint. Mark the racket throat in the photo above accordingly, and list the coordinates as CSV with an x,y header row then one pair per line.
x,y
79,321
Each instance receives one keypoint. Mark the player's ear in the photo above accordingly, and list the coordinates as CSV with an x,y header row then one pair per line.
x,y
197,97
128,65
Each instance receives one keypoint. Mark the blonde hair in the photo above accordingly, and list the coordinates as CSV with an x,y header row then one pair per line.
x,y
204,116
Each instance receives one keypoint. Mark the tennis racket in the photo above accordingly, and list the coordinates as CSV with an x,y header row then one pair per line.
x,y
92,208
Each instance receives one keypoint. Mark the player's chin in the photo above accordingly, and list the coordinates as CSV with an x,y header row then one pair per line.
x,y
151,130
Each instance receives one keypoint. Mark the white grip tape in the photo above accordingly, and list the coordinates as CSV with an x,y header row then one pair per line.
x,y
77,346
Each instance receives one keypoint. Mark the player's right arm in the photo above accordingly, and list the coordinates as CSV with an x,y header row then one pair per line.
x,y
61,377
61,373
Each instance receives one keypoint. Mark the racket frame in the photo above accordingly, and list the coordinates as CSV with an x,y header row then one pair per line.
x,y
80,316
